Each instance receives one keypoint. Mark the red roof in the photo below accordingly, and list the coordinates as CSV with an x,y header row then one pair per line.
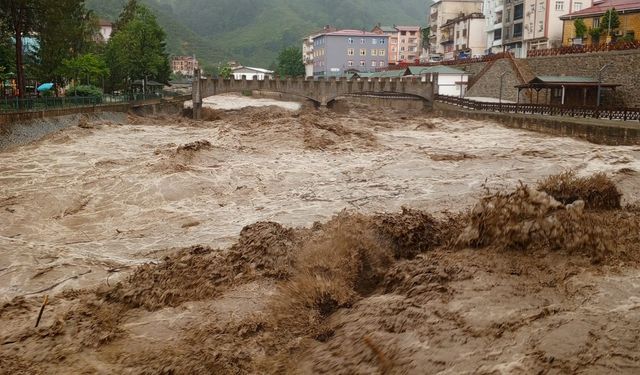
x,y
599,8
348,32
408,28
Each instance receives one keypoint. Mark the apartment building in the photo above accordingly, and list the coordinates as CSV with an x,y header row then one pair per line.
x,y
464,36
409,43
441,12
184,65
513,27
493,11
335,53
307,49
392,33
542,24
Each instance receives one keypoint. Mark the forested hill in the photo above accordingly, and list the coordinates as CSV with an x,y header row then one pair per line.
x,y
254,31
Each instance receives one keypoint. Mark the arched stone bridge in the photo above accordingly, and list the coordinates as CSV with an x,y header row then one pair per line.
x,y
322,91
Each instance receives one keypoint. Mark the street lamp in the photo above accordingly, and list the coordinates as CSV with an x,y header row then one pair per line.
x,y
600,82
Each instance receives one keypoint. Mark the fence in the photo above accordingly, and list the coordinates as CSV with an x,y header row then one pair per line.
x,y
618,46
624,114
485,58
15,104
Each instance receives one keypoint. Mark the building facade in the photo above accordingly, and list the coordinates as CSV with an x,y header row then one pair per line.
x,y
464,36
307,49
392,33
105,31
493,11
338,52
441,12
542,24
513,27
409,43
184,65
249,73
628,13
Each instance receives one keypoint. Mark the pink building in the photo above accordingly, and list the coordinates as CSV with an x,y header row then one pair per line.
x,y
409,43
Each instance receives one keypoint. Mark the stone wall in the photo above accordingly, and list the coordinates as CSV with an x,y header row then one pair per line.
x,y
625,70
488,85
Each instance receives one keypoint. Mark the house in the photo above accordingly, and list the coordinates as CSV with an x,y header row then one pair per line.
x,y
105,31
249,73
392,33
307,49
570,91
542,24
464,36
628,13
337,52
451,81
440,12
184,65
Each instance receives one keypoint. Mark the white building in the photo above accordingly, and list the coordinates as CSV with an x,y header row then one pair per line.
x,y
452,82
493,12
464,36
249,73
106,29
542,23
441,12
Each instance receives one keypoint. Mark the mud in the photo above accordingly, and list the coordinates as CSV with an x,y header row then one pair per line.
x,y
261,254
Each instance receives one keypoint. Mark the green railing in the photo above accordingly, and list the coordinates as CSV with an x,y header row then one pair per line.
x,y
10,104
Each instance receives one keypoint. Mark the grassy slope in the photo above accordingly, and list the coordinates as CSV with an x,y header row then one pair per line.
x,y
254,31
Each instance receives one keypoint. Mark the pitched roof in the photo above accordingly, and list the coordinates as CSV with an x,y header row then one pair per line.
x,y
387,29
563,79
259,70
389,74
350,32
600,8
440,69
408,28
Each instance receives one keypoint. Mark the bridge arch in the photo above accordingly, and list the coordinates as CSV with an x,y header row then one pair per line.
x,y
321,91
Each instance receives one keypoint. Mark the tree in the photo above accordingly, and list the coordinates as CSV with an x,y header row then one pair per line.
x,y
290,62
225,71
137,49
18,16
85,66
580,27
65,30
610,21
128,13
595,33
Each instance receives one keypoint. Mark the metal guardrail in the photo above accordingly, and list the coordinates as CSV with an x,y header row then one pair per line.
x,y
11,105
623,114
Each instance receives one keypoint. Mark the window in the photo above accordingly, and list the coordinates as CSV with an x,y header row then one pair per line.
x,y
373,63
381,52
498,18
363,52
350,52
508,16
517,30
464,33
507,32
374,41
413,33
596,22
374,52
403,33
457,34
381,41
559,5
350,63
362,63
518,12
350,40
382,63
402,49
577,6
361,40
540,25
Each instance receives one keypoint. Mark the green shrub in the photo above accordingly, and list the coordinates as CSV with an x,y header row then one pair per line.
x,y
84,90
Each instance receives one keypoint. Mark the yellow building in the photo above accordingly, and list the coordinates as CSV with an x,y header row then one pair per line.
x,y
628,12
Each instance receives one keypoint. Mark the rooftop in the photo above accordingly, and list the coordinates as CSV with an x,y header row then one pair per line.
x,y
408,28
440,69
259,70
350,32
622,6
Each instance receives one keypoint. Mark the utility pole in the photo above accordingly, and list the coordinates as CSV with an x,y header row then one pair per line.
x,y
600,82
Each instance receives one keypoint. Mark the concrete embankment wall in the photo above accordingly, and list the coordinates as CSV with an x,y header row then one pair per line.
x,y
596,131
24,127
625,70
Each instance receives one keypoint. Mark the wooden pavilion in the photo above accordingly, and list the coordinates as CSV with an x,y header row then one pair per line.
x,y
569,91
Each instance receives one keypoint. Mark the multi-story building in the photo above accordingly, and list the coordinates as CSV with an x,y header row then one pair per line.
x,y
106,29
348,50
493,11
628,13
513,27
542,24
392,33
440,12
409,43
307,49
184,65
464,36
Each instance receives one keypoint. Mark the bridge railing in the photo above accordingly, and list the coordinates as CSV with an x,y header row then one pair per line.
x,y
620,113
14,104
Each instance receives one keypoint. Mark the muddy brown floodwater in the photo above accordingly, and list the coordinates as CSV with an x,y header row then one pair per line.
x,y
119,223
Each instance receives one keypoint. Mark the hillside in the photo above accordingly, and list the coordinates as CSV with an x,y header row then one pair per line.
x,y
254,31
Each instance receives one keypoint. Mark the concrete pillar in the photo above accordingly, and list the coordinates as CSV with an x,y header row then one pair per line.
x,y
196,95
